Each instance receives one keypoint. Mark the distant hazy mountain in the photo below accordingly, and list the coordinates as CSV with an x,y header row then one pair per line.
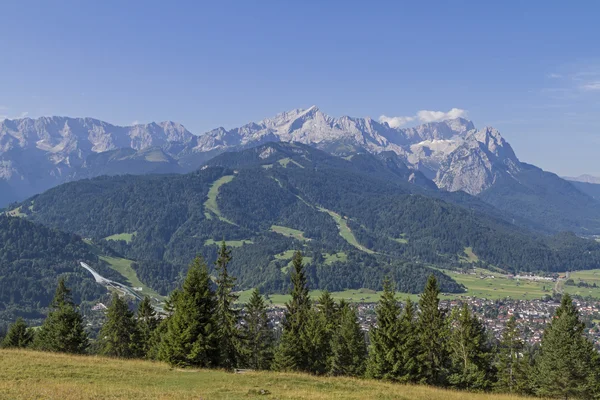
x,y
585,178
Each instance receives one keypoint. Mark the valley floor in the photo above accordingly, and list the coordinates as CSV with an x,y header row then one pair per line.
x,y
35,375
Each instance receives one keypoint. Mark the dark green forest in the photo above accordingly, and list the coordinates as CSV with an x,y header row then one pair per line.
x,y
399,228
31,260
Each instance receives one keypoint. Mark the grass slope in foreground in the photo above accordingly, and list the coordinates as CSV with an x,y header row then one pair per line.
x,y
33,375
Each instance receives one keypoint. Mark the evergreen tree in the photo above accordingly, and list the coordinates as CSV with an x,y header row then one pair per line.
x,y
292,354
147,323
408,370
258,339
330,314
348,347
316,340
568,364
119,336
227,316
63,329
470,353
511,364
432,332
190,337
384,352
19,335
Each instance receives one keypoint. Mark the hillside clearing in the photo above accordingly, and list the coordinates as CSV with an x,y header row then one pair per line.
x,y
210,205
228,243
289,232
470,256
127,237
333,258
345,231
123,266
286,161
36,375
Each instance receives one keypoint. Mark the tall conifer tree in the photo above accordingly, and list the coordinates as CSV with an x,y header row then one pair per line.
x,y
119,336
511,375
470,353
63,329
292,354
190,337
384,352
432,331
147,323
226,314
568,365
407,370
19,335
258,339
348,347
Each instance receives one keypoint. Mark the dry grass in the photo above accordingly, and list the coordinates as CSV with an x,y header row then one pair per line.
x,y
34,375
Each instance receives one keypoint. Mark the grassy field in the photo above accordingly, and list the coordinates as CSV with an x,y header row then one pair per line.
x,y
470,256
482,285
127,237
289,232
285,161
123,267
337,257
345,231
34,375
590,277
229,243
210,205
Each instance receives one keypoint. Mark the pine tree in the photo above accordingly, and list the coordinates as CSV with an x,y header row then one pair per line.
x,y
407,370
227,315
258,339
470,353
63,330
432,331
190,337
511,375
19,335
348,347
119,336
384,352
147,323
292,354
568,364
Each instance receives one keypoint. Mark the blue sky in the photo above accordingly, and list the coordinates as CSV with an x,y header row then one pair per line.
x,y
530,69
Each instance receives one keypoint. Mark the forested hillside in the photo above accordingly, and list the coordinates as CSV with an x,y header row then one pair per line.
x,y
355,219
32,257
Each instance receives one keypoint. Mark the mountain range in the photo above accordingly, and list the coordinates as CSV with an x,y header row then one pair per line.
x,y
452,155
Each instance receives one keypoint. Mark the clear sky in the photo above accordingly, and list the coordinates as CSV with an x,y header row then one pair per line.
x,y
529,68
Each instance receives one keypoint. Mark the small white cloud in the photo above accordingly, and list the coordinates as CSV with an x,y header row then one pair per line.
x,y
136,122
24,114
424,116
554,76
435,116
396,122
591,86
3,108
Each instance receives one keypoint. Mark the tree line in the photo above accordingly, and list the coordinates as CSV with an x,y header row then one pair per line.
x,y
204,327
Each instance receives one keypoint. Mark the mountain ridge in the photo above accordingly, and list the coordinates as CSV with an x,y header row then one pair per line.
x,y
453,154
